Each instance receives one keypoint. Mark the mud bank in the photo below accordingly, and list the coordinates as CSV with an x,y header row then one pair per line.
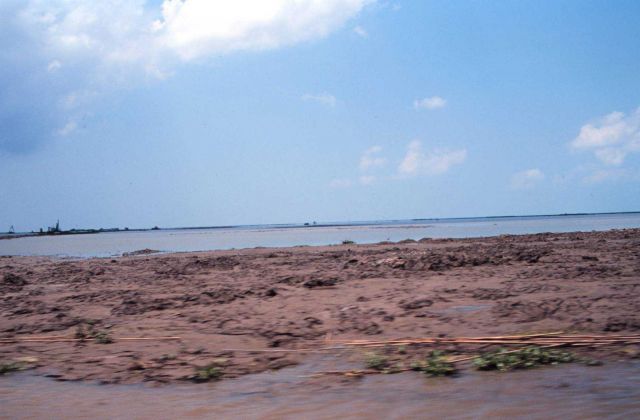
x,y
288,298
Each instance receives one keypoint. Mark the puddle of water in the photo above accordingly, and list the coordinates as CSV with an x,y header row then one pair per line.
x,y
564,392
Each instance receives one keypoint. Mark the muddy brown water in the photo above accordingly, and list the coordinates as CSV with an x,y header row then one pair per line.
x,y
562,392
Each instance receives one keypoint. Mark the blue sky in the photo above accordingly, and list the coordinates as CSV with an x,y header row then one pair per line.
x,y
193,112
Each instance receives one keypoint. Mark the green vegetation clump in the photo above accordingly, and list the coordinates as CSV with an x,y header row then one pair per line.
x,y
9,367
526,358
80,333
435,365
347,242
100,336
166,358
211,372
375,361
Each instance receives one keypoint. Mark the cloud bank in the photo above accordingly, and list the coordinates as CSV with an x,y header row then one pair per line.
x,y
611,138
132,30
58,54
194,28
435,162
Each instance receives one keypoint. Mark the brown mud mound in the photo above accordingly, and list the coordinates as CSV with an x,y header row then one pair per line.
x,y
223,303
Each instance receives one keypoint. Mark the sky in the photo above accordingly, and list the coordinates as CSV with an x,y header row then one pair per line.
x,y
133,113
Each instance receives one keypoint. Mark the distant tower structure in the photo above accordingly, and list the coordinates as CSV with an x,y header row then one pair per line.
x,y
54,229
12,230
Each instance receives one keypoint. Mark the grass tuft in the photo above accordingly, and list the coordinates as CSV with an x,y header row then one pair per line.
x,y
10,367
211,372
376,361
100,336
526,358
435,365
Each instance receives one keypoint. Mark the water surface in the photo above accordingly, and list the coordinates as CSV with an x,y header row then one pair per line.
x,y
183,240
562,392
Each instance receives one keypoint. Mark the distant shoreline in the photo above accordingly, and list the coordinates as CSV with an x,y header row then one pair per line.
x,y
17,235
68,232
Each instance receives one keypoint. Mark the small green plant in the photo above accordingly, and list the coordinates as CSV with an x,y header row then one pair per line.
x,y
526,358
167,357
435,365
397,368
10,367
376,361
347,242
80,333
102,337
211,372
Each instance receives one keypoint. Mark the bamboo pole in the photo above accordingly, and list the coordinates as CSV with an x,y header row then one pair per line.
x,y
548,339
61,340
494,340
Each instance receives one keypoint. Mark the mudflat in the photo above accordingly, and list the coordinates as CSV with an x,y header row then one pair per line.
x,y
224,304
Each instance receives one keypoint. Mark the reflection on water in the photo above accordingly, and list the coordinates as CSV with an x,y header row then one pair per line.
x,y
109,244
563,392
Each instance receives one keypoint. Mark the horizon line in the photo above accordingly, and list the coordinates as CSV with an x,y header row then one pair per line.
x,y
328,224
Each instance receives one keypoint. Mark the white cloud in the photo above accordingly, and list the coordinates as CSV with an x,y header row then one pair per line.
x,y
611,138
433,102
101,46
361,32
78,30
77,98
367,179
526,179
341,183
152,35
195,28
130,30
68,128
611,156
54,66
437,161
602,175
371,159
321,98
